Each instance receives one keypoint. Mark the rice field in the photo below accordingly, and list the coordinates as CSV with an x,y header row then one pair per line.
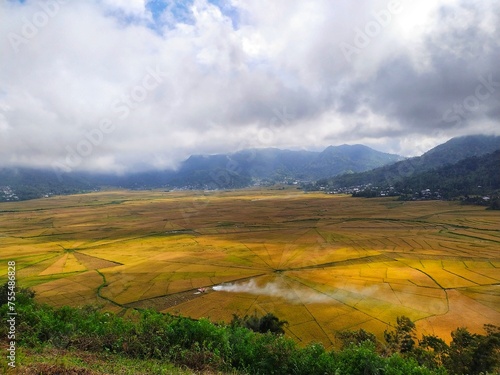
x,y
324,263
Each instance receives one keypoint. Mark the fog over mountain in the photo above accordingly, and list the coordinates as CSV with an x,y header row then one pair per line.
x,y
128,86
336,166
444,155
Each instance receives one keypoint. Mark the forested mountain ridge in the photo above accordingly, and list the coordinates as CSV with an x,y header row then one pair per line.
x,y
476,175
447,153
27,183
222,171
335,167
474,180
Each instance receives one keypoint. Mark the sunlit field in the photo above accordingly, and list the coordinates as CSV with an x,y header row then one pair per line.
x,y
324,263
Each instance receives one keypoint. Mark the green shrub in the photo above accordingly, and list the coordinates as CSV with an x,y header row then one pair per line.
x,y
313,360
267,323
202,345
397,365
359,359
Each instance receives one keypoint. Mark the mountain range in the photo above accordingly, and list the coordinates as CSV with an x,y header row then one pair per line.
x,y
345,165
446,154
474,176
221,171
276,164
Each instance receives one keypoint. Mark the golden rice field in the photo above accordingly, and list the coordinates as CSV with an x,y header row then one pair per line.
x,y
324,263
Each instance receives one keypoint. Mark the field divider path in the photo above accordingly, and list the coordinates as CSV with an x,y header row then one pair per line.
x,y
395,294
88,260
305,306
259,257
103,285
469,280
479,273
122,239
473,237
170,300
445,290
223,265
340,301
347,262
55,255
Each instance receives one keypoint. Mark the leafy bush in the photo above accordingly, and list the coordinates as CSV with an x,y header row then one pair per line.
x,y
267,323
202,345
355,337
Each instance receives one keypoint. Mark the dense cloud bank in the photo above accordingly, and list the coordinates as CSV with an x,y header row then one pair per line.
x,y
119,86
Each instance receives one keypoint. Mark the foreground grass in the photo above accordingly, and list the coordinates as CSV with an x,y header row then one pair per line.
x,y
48,361
85,341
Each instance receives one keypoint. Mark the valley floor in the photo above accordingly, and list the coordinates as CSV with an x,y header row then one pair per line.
x,y
323,263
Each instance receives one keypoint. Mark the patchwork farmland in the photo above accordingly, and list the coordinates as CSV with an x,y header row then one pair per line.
x,y
324,263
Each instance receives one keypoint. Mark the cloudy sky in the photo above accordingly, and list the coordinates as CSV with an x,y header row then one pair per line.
x,y
121,85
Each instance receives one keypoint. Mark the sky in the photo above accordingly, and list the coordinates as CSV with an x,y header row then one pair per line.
x,y
128,85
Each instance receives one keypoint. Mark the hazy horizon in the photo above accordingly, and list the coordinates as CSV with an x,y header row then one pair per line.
x,y
122,86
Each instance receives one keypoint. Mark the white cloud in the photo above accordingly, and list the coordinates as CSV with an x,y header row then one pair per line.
x,y
135,8
66,69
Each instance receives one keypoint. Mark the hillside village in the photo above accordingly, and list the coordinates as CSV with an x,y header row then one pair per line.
x,y
7,194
